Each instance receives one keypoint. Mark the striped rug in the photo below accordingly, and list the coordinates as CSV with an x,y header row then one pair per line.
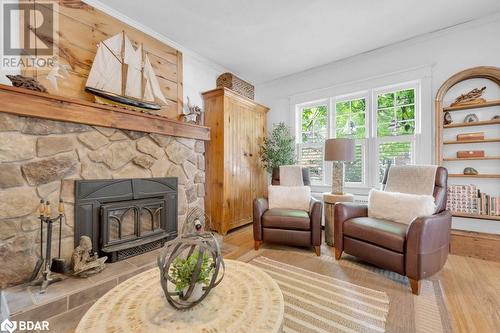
x,y
318,303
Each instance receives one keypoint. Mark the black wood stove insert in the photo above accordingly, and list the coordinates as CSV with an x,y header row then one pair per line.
x,y
126,217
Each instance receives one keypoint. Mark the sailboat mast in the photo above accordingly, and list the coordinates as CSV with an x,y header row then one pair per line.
x,y
124,66
143,85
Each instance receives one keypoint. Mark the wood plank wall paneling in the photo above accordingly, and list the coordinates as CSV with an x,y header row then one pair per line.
x,y
81,28
475,245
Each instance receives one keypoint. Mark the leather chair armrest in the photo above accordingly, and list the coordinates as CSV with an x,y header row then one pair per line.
x,y
260,205
344,211
427,245
315,214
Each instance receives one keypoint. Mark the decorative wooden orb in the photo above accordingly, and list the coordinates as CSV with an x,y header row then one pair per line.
x,y
205,250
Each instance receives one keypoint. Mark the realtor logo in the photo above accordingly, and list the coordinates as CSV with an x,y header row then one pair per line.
x,y
24,326
29,34
8,326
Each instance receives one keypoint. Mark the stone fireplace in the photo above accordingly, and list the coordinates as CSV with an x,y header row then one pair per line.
x,y
126,217
43,159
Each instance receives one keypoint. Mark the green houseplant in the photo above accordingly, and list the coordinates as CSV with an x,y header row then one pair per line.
x,y
183,270
279,148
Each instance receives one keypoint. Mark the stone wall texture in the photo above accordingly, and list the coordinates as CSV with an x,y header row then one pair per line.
x,y
41,159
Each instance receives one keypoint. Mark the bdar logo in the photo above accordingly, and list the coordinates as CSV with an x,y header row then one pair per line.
x,y
8,326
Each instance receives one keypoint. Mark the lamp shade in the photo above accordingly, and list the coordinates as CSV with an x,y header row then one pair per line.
x,y
339,150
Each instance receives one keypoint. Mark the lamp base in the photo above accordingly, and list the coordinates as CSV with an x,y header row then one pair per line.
x,y
338,177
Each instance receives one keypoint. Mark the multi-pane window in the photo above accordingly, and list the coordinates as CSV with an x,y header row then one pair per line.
x,y
395,128
314,132
350,122
383,123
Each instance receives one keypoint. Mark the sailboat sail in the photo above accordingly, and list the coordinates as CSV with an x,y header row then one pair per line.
x,y
105,73
133,60
141,86
151,77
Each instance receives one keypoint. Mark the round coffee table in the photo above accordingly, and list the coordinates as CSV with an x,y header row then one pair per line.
x,y
247,300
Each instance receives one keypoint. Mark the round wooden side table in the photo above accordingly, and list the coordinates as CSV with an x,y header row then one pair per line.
x,y
330,200
247,300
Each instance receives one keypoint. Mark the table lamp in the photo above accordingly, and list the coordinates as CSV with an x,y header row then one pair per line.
x,y
339,151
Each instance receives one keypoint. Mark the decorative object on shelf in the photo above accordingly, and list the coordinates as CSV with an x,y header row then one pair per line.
x,y
470,136
122,75
58,71
278,149
26,82
473,97
84,262
236,84
45,214
447,118
470,171
191,265
470,153
194,114
462,198
471,118
339,151
495,117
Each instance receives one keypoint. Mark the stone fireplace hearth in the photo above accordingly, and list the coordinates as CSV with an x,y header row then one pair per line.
x,y
41,159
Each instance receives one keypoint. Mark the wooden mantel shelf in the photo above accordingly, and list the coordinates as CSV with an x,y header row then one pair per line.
x,y
23,102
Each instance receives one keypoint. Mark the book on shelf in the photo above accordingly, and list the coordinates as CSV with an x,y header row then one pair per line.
x,y
470,200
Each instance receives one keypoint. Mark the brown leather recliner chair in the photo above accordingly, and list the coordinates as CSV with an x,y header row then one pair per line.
x,y
417,250
287,226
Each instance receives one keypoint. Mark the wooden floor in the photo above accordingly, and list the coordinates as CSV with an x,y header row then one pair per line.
x,y
471,286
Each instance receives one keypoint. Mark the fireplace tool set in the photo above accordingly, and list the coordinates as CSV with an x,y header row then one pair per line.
x,y
49,264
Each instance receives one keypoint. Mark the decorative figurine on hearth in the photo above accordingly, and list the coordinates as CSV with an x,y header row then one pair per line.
x,y
84,262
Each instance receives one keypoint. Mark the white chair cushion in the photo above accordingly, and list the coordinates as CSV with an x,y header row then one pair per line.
x,y
290,197
399,207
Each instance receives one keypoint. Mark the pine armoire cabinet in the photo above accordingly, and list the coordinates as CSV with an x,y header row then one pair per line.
x,y
234,173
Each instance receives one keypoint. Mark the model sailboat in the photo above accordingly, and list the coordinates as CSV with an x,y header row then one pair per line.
x,y
123,75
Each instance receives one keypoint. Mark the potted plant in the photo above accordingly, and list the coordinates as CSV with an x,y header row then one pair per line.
x,y
278,149
182,274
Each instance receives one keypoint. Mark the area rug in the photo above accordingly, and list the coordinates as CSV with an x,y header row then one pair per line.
x,y
325,295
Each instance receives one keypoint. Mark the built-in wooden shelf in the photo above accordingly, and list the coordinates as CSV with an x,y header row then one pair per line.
x,y
476,216
474,123
475,106
471,141
27,103
484,72
483,175
471,158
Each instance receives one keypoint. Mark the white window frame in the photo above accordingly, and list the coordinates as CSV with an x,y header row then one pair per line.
x,y
332,117
298,134
415,85
370,144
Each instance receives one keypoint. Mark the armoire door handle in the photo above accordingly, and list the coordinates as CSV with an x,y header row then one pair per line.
x,y
251,155
245,154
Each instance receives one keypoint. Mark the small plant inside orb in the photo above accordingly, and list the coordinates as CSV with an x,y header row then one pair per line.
x,y
184,268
